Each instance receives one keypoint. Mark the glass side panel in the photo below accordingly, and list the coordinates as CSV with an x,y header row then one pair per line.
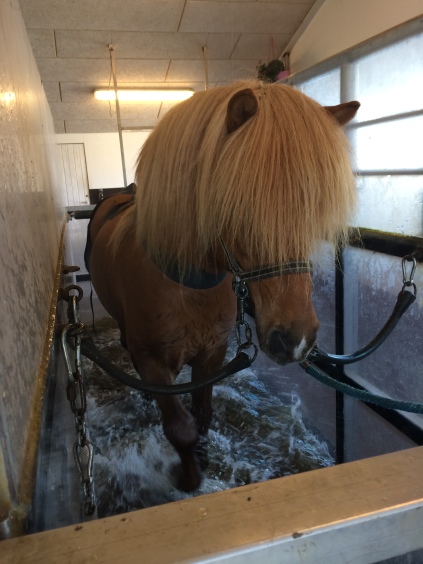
x,y
325,88
389,81
391,203
359,443
372,283
390,146
324,297
316,401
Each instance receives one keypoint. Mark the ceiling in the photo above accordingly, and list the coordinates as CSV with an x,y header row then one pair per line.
x,y
156,43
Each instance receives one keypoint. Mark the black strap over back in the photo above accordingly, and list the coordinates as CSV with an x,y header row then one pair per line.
x,y
116,210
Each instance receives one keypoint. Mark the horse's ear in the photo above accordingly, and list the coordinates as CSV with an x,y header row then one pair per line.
x,y
242,106
343,113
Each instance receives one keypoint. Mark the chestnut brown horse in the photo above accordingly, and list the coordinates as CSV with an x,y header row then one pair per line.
x,y
259,168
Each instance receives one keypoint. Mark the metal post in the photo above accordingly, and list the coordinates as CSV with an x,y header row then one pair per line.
x,y
122,153
339,305
339,347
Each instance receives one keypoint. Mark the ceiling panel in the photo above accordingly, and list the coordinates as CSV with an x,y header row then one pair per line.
x,y
131,45
218,71
52,90
42,42
90,126
59,127
252,17
103,110
108,125
259,46
156,43
125,15
98,70
89,110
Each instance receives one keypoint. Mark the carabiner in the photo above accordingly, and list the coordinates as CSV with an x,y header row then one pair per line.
x,y
408,280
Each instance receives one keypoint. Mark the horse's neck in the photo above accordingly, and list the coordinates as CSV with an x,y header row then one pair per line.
x,y
205,274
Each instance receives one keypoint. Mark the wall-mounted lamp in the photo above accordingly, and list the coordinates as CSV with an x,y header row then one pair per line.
x,y
7,98
144,95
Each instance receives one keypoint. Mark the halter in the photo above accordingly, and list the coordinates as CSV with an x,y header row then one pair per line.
x,y
239,286
263,272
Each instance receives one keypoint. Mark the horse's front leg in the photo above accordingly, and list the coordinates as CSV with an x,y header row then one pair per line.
x,y
202,400
178,424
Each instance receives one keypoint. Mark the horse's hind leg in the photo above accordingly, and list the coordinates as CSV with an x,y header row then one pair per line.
x,y
178,424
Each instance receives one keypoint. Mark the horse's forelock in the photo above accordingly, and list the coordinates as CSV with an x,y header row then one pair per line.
x,y
278,183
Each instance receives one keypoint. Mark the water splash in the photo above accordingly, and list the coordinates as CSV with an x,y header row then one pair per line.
x,y
254,436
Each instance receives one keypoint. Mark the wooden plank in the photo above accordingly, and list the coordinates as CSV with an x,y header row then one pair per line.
x,y
247,518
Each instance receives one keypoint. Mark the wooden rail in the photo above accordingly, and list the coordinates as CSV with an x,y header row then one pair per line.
x,y
363,511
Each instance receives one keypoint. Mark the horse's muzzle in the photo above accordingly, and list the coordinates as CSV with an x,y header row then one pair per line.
x,y
283,347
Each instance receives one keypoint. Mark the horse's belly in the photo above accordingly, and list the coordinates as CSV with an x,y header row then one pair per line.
x,y
105,276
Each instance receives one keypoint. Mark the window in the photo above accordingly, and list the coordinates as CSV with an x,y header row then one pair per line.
x,y
386,75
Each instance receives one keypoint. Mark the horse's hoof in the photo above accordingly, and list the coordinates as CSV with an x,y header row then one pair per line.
x,y
184,482
188,485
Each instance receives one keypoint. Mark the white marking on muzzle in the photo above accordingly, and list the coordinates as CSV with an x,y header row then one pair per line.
x,y
299,349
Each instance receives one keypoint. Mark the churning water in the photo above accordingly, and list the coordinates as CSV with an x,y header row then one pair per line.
x,y
254,436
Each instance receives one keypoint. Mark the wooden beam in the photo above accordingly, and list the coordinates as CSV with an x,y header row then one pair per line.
x,y
372,504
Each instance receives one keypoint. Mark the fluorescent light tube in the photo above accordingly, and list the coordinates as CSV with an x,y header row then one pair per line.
x,y
144,95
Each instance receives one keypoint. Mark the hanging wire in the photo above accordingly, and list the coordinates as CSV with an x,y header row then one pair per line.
x,y
271,50
122,152
206,67
110,80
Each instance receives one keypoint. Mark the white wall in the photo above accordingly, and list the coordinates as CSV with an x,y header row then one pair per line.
x,y
341,24
32,214
102,151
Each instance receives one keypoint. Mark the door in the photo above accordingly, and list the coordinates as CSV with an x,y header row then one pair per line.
x,y
75,173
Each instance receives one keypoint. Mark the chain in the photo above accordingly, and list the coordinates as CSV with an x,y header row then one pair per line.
x,y
83,449
241,292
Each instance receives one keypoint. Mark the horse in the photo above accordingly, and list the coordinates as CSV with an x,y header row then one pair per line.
x,y
254,171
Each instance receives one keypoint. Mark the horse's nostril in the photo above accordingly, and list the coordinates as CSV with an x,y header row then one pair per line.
x,y
277,346
285,347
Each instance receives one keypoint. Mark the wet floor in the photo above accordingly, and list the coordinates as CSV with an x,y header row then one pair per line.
x,y
255,435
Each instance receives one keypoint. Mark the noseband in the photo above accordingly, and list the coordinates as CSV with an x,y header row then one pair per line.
x,y
239,285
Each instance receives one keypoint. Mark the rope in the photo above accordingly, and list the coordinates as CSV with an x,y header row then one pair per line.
x,y
361,395
404,300
241,361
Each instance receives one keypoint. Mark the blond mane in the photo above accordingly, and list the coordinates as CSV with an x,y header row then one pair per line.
x,y
278,185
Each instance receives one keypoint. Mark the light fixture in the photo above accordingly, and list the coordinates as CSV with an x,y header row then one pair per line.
x,y
7,98
144,95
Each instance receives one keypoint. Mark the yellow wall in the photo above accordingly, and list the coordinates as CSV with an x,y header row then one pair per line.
x,y
31,218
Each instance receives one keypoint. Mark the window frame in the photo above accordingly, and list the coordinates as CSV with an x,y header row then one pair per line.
x,y
388,243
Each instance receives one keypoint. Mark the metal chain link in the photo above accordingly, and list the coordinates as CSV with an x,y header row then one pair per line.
x,y
241,292
83,450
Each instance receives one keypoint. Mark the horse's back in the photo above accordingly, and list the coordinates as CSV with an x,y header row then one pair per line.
x,y
106,210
